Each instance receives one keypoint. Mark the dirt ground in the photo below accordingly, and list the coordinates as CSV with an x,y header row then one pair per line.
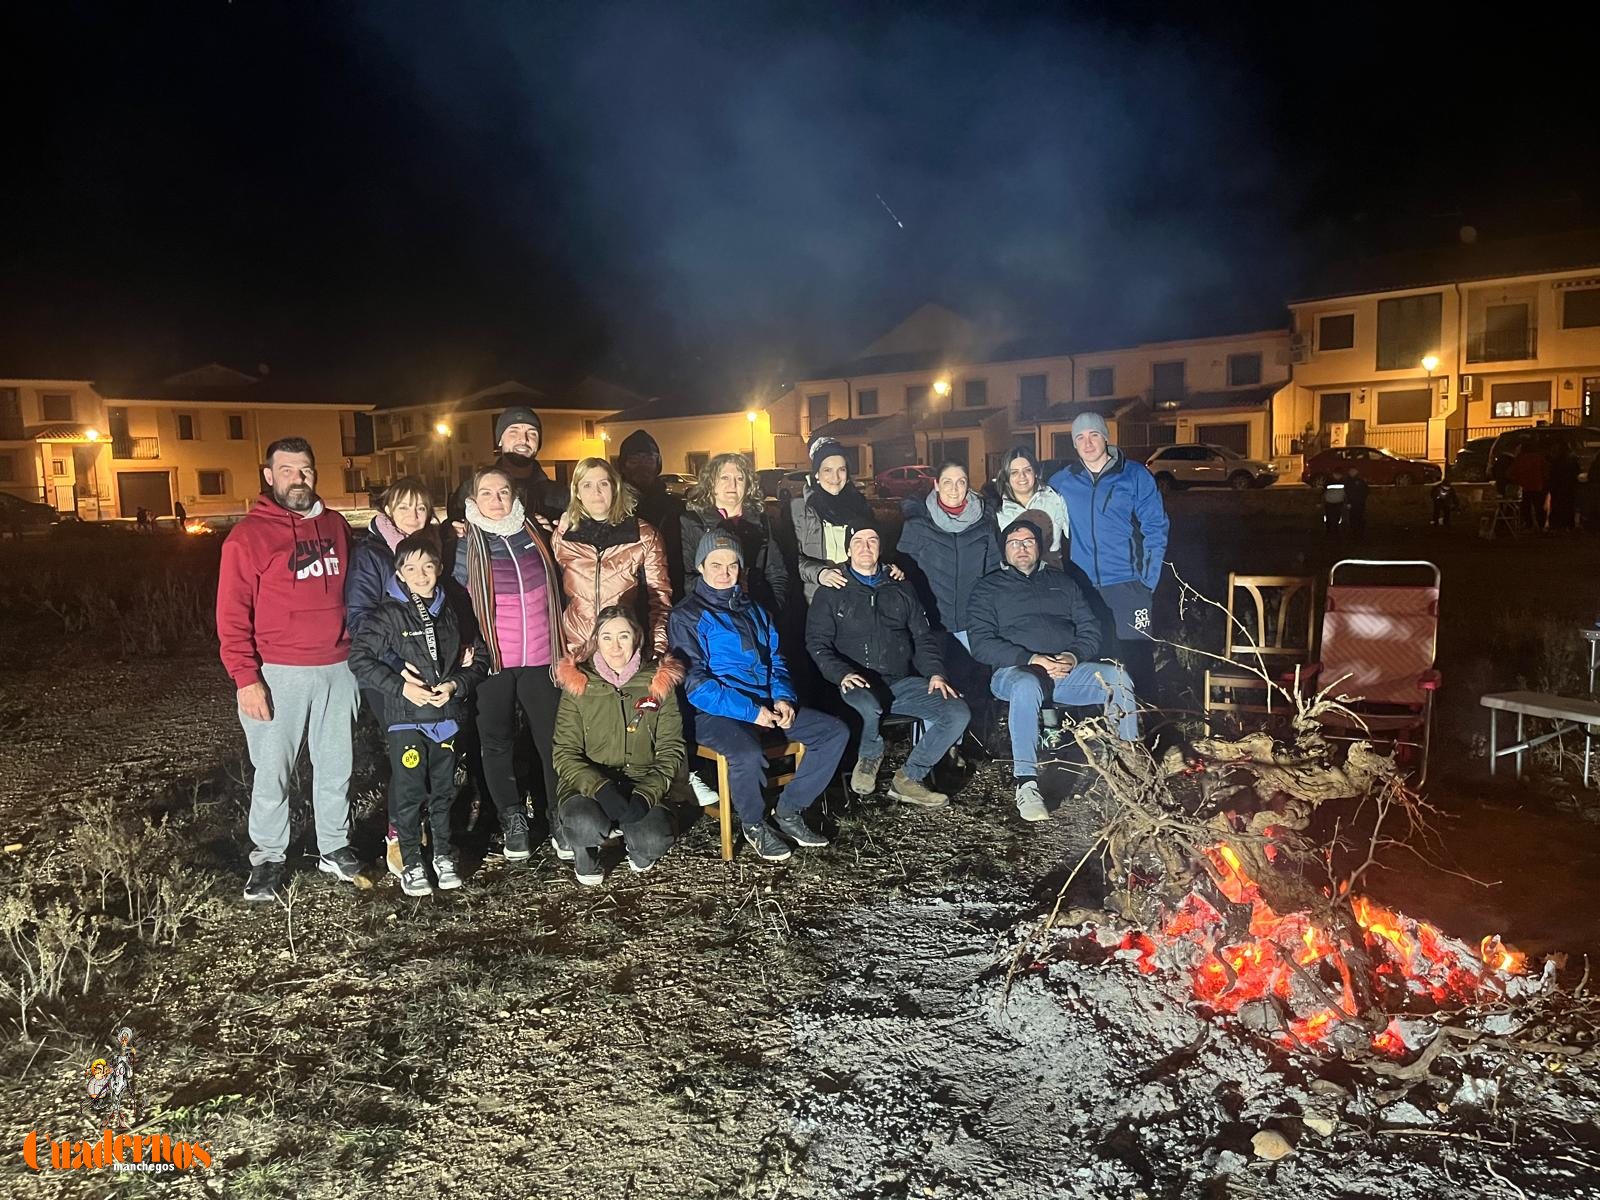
x,y
830,1027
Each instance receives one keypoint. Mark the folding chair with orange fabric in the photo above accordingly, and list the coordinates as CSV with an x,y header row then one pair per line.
x,y
1380,634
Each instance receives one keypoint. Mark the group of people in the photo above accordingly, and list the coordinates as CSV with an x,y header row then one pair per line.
x,y
1548,476
622,627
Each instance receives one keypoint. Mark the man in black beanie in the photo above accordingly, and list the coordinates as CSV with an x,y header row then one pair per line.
x,y
639,461
518,433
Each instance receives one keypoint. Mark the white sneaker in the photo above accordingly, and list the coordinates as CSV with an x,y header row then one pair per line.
x,y
1030,803
703,791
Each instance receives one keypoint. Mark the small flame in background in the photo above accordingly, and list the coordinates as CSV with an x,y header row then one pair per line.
x,y
194,525
1292,958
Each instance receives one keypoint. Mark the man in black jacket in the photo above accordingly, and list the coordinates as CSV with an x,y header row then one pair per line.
x,y
1032,623
639,460
872,639
518,433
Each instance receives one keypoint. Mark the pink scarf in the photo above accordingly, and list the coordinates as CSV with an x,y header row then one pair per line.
x,y
386,528
617,678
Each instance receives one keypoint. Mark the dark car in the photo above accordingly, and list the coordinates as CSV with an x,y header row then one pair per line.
x,y
1372,463
17,514
904,483
1582,441
1472,461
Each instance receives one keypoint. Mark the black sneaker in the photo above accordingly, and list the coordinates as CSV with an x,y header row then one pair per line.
x,y
514,827
766,843
265,880
793,826
342,864
559,845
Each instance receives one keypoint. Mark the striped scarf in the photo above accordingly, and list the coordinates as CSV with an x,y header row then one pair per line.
x,y
480,586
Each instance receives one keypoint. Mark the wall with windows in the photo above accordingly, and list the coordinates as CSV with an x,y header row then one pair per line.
x,y
1511,351
1169,370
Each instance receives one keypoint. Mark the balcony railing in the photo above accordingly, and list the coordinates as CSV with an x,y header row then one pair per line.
x,y
1409,443
1506,345
136,447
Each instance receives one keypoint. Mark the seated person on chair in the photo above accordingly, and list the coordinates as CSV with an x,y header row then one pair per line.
x,y
618,743
738,685
1032,623
871,638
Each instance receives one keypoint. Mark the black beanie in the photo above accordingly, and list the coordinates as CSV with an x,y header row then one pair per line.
x,y
1030,520
825,448
850,534
639,442
517,416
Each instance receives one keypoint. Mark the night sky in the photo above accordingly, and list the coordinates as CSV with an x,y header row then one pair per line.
x,y
697,200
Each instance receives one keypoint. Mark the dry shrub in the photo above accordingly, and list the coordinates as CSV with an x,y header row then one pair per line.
x,y
143,861
45,949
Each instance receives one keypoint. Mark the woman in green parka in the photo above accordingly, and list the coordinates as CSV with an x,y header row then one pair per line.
x,y
618,744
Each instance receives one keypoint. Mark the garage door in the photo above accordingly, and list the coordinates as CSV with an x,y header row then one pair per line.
x,y
144,489
1233,437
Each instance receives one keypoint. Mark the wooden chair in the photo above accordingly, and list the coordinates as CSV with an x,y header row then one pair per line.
x,y
1264,630
775,752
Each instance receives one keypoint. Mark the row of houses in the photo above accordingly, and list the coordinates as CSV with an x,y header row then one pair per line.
x,y
105,450
1418,357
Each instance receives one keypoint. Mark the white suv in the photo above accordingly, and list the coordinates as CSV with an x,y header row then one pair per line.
x,y
1200,465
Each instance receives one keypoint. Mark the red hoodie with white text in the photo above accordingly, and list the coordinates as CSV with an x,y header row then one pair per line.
x,y
280,596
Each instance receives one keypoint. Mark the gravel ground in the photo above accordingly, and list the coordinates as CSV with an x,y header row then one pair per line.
x,y
829,1027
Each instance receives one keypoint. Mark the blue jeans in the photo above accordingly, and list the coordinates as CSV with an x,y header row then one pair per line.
x,y
1023,688
824,738
943,720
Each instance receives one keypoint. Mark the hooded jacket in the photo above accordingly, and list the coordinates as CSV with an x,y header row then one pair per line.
x,y
880,630
951,554
393,632
1119,525
1045,499
606,734
280,591
765,576
1015,616
604,564
731,647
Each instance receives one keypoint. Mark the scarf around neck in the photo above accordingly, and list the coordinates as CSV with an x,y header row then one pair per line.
x,y
386,530
951,522
617,678
512,522
849,509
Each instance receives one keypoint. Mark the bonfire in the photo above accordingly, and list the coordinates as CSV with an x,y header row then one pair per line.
x,y
1223,890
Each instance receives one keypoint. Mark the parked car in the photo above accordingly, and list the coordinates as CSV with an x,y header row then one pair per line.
x,y
1580,440
1373,463
1138,454
1472,461
1201,465
778,483
17,514
905,483
677,485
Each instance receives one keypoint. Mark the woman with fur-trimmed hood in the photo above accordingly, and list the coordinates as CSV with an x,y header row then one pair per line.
x,y
618,745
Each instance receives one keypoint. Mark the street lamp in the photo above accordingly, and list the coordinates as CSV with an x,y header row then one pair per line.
x,y
751,417
941,389
442,428
92,434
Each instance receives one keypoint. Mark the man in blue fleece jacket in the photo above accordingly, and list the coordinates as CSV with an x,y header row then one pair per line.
x,y
738,686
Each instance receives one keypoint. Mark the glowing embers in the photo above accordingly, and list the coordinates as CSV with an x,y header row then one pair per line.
x,y
195,525
1291,977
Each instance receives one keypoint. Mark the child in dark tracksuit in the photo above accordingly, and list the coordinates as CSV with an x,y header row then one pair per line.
x,y
411,651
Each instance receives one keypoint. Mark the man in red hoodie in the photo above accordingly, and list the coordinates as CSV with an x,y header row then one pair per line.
x,y
280,620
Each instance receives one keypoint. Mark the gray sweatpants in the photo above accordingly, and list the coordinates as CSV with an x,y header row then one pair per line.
x,y
313,706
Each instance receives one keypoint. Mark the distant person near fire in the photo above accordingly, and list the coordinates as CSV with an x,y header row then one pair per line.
x,y
281,624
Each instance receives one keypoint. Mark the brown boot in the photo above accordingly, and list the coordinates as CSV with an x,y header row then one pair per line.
x,y
914,791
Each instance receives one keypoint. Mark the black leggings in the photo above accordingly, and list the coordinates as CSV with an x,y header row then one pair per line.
x,y
498,698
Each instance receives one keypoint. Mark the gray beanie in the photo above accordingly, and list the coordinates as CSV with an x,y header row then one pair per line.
x,y
1090,422
717,538
517,416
